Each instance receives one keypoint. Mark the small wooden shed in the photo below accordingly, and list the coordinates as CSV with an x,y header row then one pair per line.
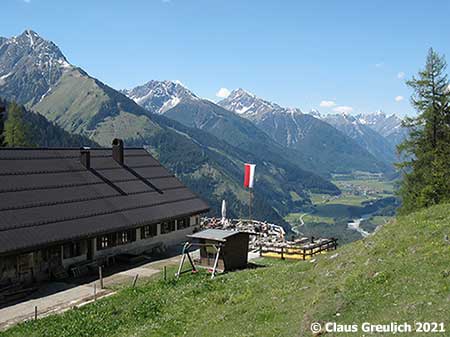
x,y
229,247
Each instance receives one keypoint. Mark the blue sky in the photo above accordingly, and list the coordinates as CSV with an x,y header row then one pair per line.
x,y
342,55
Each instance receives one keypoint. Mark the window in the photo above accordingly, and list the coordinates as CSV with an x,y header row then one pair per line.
x,y
148,231
126,237
106,241
114,239
71,249
167,226
183,223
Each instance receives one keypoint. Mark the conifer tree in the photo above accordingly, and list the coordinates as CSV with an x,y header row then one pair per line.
x,y
426,166
16,129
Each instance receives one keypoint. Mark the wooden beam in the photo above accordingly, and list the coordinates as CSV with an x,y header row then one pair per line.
x,y
216,262
183,257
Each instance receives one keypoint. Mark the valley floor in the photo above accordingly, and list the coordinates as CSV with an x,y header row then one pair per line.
x,y
401,274
367,199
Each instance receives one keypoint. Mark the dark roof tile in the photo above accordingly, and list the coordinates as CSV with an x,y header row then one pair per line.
x,y
47,196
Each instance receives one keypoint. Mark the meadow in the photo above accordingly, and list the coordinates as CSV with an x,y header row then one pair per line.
x,y
399,274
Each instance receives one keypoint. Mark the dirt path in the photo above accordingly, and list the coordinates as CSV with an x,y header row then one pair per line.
x,y
57,297
301,219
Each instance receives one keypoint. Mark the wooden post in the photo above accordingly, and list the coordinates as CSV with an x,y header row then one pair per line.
x,y
304,253
183,257
165,273
191,262
135,280
35,313
260,249
282,251
95,291
216,263
100,274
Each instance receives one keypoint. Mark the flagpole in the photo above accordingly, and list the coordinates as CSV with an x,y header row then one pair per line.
x,y
250,204
249,177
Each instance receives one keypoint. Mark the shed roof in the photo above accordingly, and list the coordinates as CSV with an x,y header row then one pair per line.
x,y
47,196
214,234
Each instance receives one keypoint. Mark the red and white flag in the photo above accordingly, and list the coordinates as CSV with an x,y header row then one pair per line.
x,y
249,175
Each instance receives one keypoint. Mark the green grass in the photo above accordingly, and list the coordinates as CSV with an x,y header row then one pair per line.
x,y
317,198
312,218
402,274
350,200
294,196
294,219
380,220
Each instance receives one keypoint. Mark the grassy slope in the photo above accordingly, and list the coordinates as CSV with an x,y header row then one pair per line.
x,y
80,104
399,274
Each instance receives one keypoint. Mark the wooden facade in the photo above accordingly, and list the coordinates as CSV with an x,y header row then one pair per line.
x,y
233,248
62,209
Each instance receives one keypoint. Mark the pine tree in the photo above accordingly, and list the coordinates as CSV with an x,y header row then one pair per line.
x,y
2,137
427,148
16,129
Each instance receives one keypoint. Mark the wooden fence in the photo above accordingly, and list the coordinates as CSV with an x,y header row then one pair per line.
x,y
297,251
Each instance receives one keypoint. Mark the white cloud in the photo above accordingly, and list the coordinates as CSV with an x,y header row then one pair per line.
x,y
399,98
343,109
379,65
401,75
223,93
327,104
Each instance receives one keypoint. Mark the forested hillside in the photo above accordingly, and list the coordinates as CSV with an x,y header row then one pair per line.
x,y
37,130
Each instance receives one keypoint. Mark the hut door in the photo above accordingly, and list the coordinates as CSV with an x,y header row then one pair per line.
x,y
25,267
90,249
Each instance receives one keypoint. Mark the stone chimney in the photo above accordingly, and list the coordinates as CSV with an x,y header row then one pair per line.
x,y
117,150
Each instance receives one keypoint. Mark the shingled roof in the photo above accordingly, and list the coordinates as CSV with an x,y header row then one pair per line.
x,y
47,196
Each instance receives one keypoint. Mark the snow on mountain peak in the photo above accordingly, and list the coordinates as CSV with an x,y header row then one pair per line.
x,y
315,113
160,96
240,93
247,104
30,56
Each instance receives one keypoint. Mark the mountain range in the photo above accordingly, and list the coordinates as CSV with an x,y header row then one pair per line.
x,y
306,141
323,147
364,135
389,126
203,142
35,73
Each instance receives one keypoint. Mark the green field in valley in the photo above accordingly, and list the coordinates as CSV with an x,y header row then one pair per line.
x,y
399,274
363,195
